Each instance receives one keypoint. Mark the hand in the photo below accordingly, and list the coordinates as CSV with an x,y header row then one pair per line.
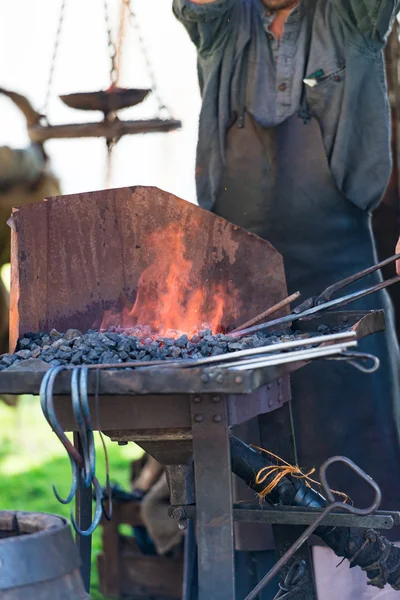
x,y
397,251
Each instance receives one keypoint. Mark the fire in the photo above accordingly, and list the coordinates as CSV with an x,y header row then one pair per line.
x,y
170,298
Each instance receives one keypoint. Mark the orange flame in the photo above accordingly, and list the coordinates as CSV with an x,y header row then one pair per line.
x,y
170,297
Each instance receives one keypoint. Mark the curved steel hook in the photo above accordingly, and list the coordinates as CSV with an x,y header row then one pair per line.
x,y
91,450
98,512
354,359
81,424
329,494
46,401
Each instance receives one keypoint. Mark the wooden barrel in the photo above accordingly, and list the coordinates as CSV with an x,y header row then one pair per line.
x,y
39,560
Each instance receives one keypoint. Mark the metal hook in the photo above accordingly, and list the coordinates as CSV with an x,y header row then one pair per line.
x,y
351,357
80,419
46,401
98,512
293,578
329,494
84,400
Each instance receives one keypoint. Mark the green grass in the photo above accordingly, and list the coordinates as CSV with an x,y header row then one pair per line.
x,y
32,459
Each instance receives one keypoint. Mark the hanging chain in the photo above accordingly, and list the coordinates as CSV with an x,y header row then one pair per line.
x,y
162,107
54,59
114,71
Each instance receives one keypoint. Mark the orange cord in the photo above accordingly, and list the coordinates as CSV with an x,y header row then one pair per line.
x,y
280,471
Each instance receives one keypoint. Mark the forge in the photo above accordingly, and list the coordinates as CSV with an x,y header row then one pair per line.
x,y
140,266
119,257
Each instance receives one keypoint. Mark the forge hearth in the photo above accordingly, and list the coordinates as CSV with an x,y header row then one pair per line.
x,y
135,255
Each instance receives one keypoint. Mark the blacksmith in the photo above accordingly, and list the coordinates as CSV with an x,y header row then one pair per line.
x,y
294,145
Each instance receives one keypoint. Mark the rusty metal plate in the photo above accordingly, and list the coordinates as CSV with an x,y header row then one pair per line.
x,y
75,257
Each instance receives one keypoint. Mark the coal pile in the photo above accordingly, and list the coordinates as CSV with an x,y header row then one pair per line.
x,y
138,344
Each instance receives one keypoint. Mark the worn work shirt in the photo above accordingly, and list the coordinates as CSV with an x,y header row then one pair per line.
x,y
336,45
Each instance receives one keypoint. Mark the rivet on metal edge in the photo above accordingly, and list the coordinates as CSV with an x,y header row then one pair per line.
x,y
197,399
269,386
280,397
198,418
345,319
270,401
219,378
215,399
217,418
204,378
238,379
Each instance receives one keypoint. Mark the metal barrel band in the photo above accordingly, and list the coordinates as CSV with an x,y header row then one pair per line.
x,y
42,558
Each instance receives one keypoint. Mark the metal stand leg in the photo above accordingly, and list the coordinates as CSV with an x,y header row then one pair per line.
x,y
83,516
214,505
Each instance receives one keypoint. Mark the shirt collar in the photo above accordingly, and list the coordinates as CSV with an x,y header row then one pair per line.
x,y
267,16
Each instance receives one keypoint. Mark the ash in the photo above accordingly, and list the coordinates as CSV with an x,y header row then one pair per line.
x,y
138,344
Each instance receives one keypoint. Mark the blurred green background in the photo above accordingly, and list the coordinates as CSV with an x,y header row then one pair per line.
x,y
32,459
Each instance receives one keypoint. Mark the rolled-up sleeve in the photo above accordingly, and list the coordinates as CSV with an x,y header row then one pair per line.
x,y
373,19
207,24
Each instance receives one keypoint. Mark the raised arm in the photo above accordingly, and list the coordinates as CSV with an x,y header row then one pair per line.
x,y
207,21
372,19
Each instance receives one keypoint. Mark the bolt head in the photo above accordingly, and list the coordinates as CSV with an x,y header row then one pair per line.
x,y
204,378
219,378
217,418
238,379
179,514
197,399
198,418
280,398
215,399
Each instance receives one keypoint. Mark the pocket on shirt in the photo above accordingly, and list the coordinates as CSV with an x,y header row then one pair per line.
x,y
325,97
335,76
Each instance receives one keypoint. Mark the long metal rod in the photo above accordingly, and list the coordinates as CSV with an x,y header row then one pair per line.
x,y
337,303
300,355
267,313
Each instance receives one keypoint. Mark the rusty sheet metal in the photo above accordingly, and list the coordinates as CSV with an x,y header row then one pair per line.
x,y
74,257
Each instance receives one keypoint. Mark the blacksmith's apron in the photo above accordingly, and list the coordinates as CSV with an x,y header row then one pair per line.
x,y
277,184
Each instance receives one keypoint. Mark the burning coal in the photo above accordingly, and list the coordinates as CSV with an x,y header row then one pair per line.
x,y
139,344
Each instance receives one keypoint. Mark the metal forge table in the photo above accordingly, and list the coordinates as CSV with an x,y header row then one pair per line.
x,y
68,281
176,414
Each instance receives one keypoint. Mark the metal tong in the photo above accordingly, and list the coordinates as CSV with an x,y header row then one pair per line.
x,y
323,302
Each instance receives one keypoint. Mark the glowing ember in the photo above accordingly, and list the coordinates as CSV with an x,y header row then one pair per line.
x,y
170,299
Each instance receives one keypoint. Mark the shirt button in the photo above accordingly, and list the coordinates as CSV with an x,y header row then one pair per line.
x,y
282,87
269,13
270,36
